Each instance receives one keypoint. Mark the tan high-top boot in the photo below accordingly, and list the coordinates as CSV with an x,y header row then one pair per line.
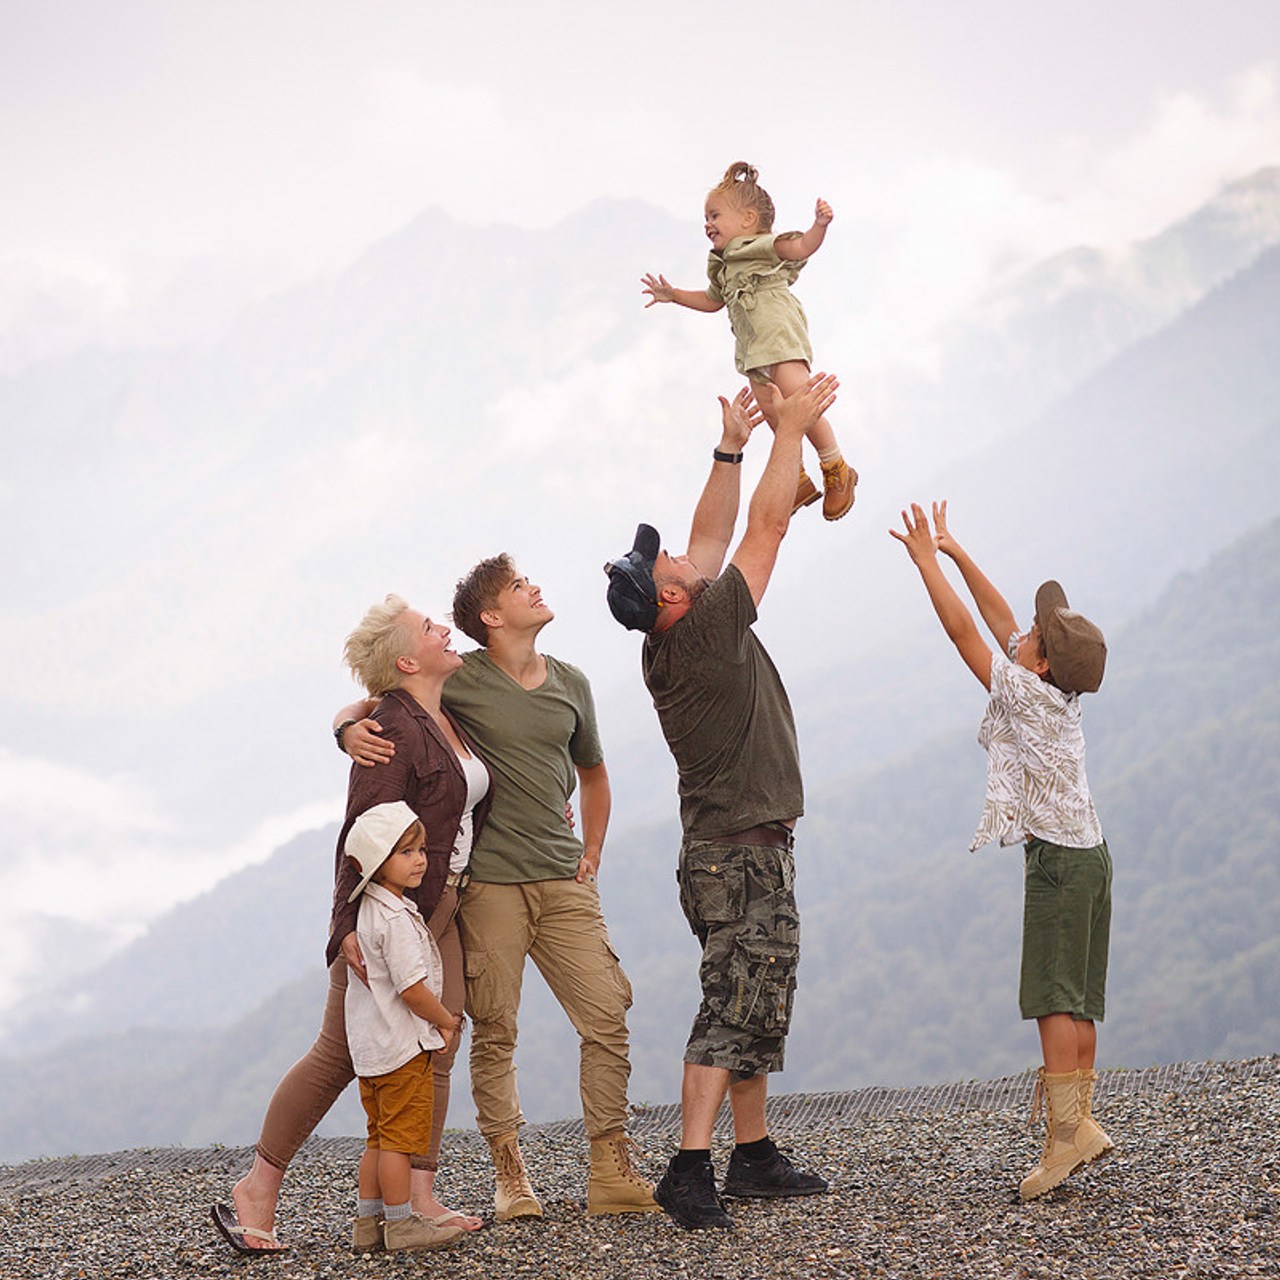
x,y
614,1185
838,482
1093,1137
366,1233
806,491
512,1193
1061,1156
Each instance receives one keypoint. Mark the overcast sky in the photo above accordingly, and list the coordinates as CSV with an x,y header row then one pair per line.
x,y
160,162
236,144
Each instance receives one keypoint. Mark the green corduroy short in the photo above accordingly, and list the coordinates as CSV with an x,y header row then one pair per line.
x,y
1066,930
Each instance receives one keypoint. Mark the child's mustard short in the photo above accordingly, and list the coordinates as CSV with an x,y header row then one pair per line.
x,y
399,1107
1066,930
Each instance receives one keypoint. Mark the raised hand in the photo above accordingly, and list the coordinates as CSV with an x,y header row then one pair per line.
x,y
658,289
801,409
739,418
942,538
822,213
918,539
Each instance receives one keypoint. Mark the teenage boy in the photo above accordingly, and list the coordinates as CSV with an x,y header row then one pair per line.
x,y
1038,796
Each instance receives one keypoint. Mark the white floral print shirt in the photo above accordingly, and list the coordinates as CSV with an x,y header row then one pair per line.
x,y
1036,783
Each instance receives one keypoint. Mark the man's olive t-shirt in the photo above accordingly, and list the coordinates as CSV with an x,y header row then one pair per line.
x,y
531,740
725,715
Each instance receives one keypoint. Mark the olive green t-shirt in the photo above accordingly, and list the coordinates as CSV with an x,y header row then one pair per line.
x,y
531,739
725,715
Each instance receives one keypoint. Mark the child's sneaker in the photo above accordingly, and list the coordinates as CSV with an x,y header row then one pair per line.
x,y
366,1233
838,482
415,1232
806,492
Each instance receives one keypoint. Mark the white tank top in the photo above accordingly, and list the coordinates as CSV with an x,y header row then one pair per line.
x,y
477,786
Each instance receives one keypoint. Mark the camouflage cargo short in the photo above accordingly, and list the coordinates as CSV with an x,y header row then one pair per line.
x,y
740,903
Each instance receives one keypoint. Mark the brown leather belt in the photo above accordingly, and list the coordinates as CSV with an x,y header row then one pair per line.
x,y
458,879
768,835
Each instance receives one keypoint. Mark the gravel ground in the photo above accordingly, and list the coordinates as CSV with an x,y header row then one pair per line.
x,y
924,1184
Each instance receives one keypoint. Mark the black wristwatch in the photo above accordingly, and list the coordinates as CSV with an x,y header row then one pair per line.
x,y
720,456
339,731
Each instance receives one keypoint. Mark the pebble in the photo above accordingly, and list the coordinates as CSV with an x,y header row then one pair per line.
x,y
1192,1191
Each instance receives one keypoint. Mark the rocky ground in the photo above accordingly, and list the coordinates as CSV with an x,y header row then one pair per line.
x,y
924,1184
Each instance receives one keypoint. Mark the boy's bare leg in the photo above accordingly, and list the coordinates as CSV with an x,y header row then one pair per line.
x,y
367,1175
1086,1043
393,1176
1058,1043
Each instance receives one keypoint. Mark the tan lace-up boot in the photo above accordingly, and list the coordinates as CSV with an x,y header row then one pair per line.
x,y
1093,1137
1062,1155
838,482
614,1185
512,1193
806,492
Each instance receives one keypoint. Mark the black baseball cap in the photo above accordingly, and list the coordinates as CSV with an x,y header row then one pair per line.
x,y
632,594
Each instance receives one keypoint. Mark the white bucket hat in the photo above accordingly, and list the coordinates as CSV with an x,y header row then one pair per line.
x,y
372,837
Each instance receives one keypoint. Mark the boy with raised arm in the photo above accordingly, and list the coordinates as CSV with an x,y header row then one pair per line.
x,y
1038,796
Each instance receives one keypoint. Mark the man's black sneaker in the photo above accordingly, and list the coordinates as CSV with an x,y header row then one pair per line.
x,y
689,1196
770,1177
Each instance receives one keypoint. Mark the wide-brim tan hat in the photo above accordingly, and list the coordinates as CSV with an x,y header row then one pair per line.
x,y
372,837
1075,648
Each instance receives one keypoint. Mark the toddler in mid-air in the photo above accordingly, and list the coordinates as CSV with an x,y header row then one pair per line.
x,y
751,269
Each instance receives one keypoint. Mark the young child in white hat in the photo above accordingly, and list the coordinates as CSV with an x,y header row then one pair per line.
x,y
394,1024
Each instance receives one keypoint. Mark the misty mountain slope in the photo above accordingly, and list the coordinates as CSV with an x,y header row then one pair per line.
x,y
1040,333
1184,763
1164,456
198,965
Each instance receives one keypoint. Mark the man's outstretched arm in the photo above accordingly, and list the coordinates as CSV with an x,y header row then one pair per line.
x,y
769,514
717,510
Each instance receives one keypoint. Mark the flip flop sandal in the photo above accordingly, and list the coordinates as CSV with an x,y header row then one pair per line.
x,y
457,1217
224,1218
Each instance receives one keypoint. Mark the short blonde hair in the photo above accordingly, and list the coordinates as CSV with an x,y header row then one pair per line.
x,y
373,647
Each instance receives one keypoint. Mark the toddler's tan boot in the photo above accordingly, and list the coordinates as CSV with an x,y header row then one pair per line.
x,y
366,1233
614,1184
513,1192
1062,1155
806,491
839,480
402,1235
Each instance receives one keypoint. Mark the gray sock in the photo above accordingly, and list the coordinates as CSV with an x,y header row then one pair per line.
x,y
395,1212
368,1208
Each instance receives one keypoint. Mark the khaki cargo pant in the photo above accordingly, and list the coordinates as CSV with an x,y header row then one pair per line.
x,y
558,924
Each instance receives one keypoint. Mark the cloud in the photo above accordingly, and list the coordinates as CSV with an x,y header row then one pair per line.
x,y
948,225
1191,146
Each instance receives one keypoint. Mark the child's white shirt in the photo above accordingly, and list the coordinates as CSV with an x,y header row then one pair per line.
x,y
1036,783
383,1033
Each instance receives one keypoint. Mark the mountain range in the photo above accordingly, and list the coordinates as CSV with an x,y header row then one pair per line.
x,y
1138,471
